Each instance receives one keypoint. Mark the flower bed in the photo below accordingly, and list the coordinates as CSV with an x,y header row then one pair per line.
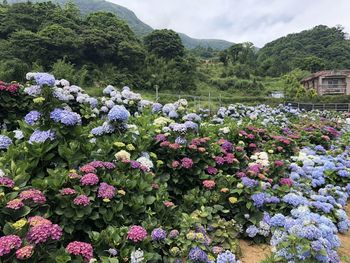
x,y
122,179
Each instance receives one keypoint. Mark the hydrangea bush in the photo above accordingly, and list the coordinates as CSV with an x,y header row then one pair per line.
x,y
122,179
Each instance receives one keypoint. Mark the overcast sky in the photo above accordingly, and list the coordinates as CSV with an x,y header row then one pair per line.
x,y
257,21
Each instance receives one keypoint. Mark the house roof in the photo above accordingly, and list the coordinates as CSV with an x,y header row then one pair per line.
x,y
325,73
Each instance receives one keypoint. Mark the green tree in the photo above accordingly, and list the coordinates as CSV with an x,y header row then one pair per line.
x,y
164,43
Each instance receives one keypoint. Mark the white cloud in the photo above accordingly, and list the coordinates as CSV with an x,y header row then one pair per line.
x,y
257,21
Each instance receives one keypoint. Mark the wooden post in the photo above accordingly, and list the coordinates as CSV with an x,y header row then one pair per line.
x,y
209,99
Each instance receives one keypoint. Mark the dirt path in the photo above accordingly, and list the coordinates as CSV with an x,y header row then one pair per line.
x,y
344,250
252,253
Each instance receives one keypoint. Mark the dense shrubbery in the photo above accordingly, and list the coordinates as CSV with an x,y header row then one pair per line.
x,y
98,47
122,179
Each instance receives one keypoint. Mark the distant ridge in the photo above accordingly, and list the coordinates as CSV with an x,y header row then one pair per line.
x,y
137,26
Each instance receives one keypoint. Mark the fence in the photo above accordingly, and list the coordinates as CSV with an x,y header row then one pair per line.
x,y
214,102
320,106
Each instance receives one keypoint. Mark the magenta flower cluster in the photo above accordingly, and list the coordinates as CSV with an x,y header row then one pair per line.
x,y
5,181
89,179
67,191
83,249
7,243
106,191
35,195
186,163
82,200
15,204
43,233
137,233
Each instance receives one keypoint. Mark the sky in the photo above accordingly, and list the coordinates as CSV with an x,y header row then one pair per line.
x,y
257,21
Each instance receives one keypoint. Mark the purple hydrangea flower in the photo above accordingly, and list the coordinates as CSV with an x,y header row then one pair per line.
x,y
118,113
158,234
44,79
32,117
197,255
5,142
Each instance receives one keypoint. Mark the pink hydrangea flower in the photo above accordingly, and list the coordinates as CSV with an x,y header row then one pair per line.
x,y
219,160
67,191
7,243
74,176
186,163
15,204
209,184
25,252
168,204
80,249
87,169
89,179
212,170
96,164
164,144
229,158
109,165
286,181
33,194
38,220
82,200
5,181
174,146
43,233
137,233
106,191
175,164
279,163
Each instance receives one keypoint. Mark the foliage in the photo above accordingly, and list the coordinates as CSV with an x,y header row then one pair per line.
x,y
318,48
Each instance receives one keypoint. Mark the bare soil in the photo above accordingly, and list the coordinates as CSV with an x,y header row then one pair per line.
x,y
344,250
252,253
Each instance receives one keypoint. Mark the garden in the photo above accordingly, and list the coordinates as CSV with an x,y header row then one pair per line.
x,y
118,178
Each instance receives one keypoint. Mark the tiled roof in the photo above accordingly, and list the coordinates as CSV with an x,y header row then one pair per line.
x,y
344,72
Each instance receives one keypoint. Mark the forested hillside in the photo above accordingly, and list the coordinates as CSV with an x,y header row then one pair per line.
x,y
315,49
137,26
99,47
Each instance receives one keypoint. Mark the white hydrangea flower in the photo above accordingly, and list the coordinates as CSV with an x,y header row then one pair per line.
x,y
145,162
137,256
18,134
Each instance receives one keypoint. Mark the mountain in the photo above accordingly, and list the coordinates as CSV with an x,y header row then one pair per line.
x,y
191,43
319,48
137,26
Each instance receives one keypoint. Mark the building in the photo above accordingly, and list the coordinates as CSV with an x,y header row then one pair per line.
x,y
329,82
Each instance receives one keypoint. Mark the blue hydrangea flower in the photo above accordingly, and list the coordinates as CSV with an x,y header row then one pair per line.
x,y
226,257
250,183
158,234
44,79
197,255
5,142
41,136
32,117
118,113
191,125
259,199
104,129
294,199
277,220
252,231
156,107
65,117
173,114
33,91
